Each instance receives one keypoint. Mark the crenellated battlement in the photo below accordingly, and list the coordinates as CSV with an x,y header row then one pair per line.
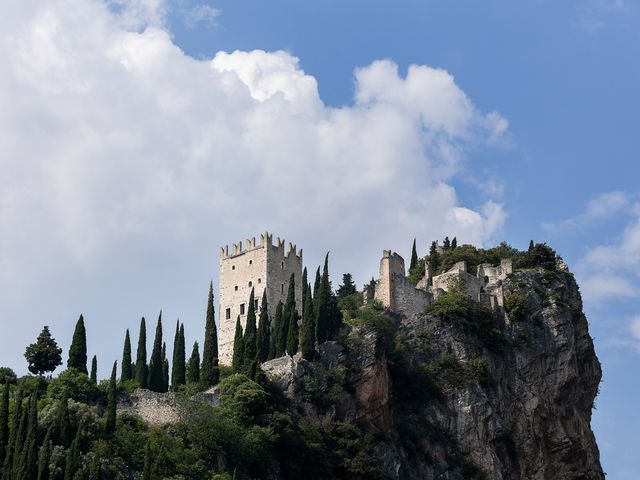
x,y
266,241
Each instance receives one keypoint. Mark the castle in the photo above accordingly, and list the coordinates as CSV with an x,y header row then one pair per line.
x,y
261,267
267,267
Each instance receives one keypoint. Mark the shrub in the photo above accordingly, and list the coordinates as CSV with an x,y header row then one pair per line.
x,y
78,384
540,255
516,306
7,375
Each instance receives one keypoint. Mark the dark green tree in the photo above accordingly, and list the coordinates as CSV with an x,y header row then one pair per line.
x,y
78,349
327,313
146,471
165,369
414,256
142,370
126,367
112,401
289,306
305,286
531,245
193,371
434,257
454,243
178,374
21,438
29,461
446,243
94,370
276,333
293,338
16,417
73,457
264,331
308,333
95,468
210,373
4,421
347,287
250,334
238,348
44,456
63,423
156,379
316,290
44,355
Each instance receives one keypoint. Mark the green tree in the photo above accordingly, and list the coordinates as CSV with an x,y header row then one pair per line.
x,y
4,421
250,333
146,471
72,463
289,306
29,460
126,367
238,348
94,370
304,287
316,291
63,422
44,355
193,371
454,243
414,256
10,451
347,288
293,339
446,243
112,401
264,330
531,245
45,456
156,380
277,332
434,257
210,373
165,369
328,317
308,333
8,375
178,374
21,437
78,349
142,371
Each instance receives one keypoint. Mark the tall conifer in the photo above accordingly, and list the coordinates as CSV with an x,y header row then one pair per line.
x,y
156,380
112,401
63,423
126,372
21,438
305,286
4,420
44,456
238,348
73,457
414,257
316,291
289,306
250,333
78,349
275,351
94,370
165,369
178,373
210,374
16,417
142,371
293,336
193,371
264,331
308,333
29,460
146,470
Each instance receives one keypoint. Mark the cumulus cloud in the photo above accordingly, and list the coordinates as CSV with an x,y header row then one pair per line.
x,y
113,140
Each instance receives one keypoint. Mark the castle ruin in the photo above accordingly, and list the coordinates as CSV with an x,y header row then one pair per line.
x,y
261,267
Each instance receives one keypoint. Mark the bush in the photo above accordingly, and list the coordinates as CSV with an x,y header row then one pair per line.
x,y
453,307
8,375
516,306
350,303
541,255
78,384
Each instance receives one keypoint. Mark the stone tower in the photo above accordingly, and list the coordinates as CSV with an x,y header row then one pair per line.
x,y
263,266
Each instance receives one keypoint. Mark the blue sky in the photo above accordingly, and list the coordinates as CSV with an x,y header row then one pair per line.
x,y
129,156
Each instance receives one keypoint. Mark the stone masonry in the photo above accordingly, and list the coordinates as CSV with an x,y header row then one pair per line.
x,y
261,267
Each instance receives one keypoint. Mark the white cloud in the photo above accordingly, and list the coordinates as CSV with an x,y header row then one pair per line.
x,y
201,15
601,207
115,144
634,328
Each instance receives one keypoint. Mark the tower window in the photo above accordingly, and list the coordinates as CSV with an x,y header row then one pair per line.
x,y
250,284
227,314
259,280
282,288
250,262
242,309
255,304
233,267
236,288
282,265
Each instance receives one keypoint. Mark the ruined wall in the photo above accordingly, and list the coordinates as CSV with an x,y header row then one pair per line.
x,y
460,279
393,289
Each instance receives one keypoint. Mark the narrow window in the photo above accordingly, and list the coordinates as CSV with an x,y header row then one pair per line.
x,y
250,262
250,284
233,267
282,288
236,288
259,280
227,314
255,304
282,265
242,309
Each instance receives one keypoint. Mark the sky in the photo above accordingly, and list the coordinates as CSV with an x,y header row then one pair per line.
x,y
137,137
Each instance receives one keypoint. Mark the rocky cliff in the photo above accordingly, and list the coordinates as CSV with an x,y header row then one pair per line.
x,y
459,392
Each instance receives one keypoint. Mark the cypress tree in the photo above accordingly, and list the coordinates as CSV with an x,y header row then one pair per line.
x,y
305,286
178,374
28,461
4,420
13,437
95,468
238,348
250,333
126,370
44,457
193,372
434,257
308,333
73,457
264,330
62,420
293,338
142,371
289,306
78,349
146,472
210,374
531,245
275,351
94,370
414,257
321,302
316,291
21,438
112,401
165,369
156,380
454,243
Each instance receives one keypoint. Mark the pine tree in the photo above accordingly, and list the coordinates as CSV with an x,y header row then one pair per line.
x,y
142,371
155,380
112,401
94,370
45,455
165,369
347,287
126,370
275,351
78,349
210,374
178,374
250,333
73,457
13,438
308,333
293,338
193,372
264,329
44,355
238,348
454,243
4,421
414,257
62,420
446,243
434,257
289,306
